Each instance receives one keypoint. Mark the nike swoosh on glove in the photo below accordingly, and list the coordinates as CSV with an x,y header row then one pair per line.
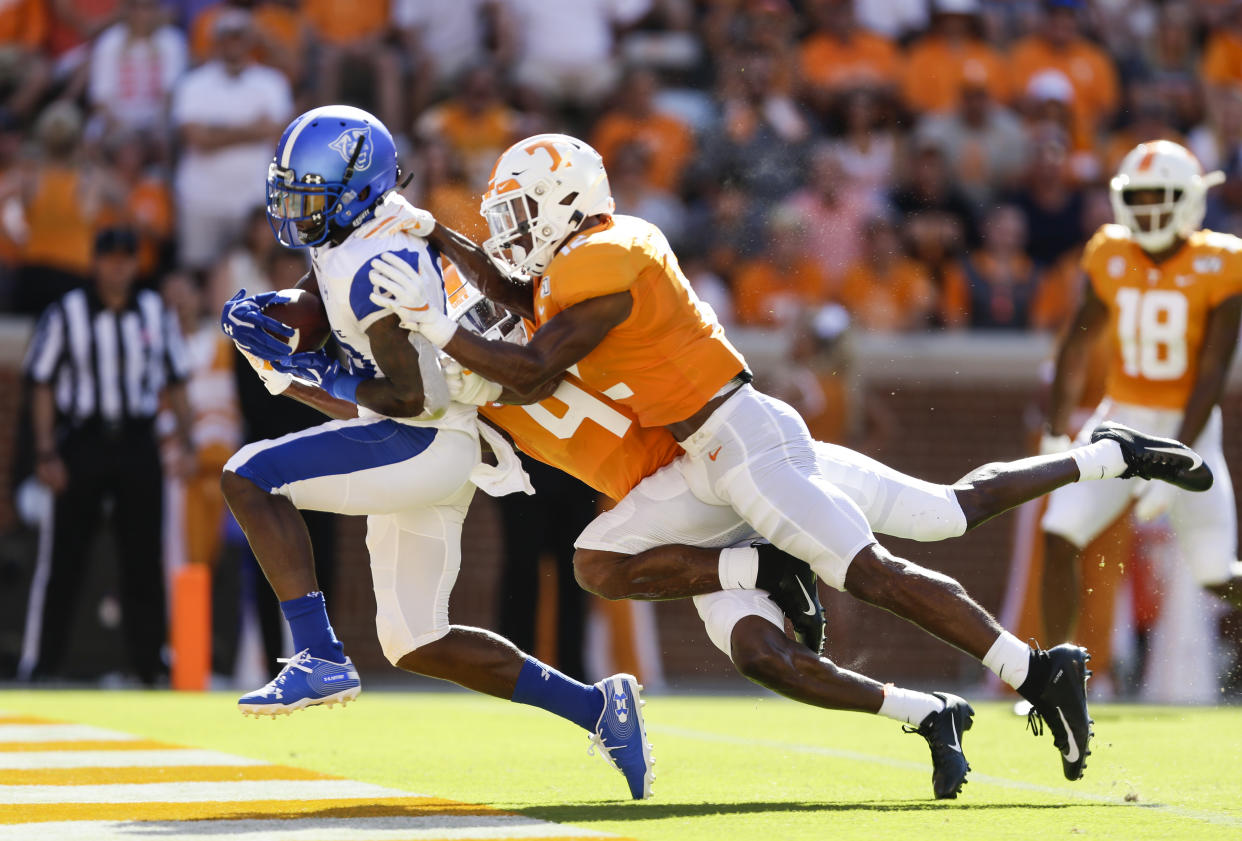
x,y
399,290
1153,499
243,321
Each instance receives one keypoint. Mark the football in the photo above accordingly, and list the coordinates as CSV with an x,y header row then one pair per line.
x,y
304,312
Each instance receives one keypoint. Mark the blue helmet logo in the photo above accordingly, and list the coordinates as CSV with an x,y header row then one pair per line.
x,y
347,141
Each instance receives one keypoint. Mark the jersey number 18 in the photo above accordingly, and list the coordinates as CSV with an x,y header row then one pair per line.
x,y
1151,327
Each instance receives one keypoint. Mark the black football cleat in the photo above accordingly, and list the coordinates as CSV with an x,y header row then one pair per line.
x,y
1149,457
1061,706
943,731
793,585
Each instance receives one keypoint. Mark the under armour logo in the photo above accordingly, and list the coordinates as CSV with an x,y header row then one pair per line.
x,y
623,710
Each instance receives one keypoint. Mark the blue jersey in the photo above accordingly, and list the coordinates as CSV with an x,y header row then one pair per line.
x,y
343,273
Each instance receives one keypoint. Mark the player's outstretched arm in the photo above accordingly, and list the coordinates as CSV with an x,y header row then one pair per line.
x,y
1216,354
1072,358
481,270
568,337
399,393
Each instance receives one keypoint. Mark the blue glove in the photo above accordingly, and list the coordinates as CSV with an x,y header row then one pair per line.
x,y
317,367
243,321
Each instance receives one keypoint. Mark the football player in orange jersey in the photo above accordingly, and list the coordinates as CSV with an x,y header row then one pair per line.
x,y
1169,297
609,301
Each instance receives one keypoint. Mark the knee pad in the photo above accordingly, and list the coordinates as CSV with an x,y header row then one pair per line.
x,y
722,610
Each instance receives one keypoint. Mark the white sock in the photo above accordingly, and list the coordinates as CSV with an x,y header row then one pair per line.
x,y
739,568
1010,658
907,705
1101,460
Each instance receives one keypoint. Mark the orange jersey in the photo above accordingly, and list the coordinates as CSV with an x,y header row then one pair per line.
x,y
670,356
578,430
590,437
1158,312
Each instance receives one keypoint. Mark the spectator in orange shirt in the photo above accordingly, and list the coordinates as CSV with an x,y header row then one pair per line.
x,y
953,49
886,290
446,193
354,34
62,197
475,122
1059,45
667,141
997,286
772,289
281,37
144,189
838,56
24,68
1222,57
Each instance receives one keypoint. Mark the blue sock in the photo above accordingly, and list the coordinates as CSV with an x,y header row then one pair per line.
x,y
308,622
545,687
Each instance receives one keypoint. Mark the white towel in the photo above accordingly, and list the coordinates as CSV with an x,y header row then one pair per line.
x,y
507,476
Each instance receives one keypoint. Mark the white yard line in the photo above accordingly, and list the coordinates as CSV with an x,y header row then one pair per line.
x,y
200,792
303,829
60,733
171,758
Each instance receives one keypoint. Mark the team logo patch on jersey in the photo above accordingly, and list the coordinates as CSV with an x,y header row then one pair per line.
x,y
1116,266
347,141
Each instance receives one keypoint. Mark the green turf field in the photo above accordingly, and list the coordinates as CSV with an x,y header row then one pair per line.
x,y
731,767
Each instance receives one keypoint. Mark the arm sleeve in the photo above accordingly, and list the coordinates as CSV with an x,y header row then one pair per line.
x,y
47,346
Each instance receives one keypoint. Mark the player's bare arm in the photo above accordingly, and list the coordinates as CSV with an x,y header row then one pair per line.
x,y
1072,355
1220,341
568,337
399,393
318,399
474,264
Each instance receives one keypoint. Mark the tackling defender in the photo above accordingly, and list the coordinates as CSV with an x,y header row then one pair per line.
x,y
410,471
608,298
1169,296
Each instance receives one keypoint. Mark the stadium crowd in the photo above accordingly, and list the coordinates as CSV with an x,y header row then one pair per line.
x,y
922,163
897,165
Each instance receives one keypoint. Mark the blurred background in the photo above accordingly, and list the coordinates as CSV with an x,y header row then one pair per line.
x,y
884,201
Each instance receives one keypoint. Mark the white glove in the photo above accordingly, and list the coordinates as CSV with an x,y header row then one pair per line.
x,y
1052,444
399,289
468,387
1153,499
276,382
414,220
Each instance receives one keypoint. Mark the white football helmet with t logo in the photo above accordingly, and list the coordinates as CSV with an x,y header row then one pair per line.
x,y
1170,168
540,191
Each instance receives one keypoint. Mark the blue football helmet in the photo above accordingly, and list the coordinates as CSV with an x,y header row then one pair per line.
x,y
333,165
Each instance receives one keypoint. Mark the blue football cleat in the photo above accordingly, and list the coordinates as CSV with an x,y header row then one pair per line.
x,y
621,734
304,682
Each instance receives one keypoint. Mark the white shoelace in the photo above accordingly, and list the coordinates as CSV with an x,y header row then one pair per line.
x,y
297,661
605,751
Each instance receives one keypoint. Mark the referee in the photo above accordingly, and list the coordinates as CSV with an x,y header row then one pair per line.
x,y
99,362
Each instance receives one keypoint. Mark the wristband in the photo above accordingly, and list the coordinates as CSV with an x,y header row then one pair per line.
x,y
345,387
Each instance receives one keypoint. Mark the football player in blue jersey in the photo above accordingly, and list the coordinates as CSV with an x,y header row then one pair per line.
x,y
410,466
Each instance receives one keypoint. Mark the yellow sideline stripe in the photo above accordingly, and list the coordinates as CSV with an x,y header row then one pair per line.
x,y
155,774
90,744
386,807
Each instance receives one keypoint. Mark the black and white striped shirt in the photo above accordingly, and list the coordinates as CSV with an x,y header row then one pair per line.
x,y
107,366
